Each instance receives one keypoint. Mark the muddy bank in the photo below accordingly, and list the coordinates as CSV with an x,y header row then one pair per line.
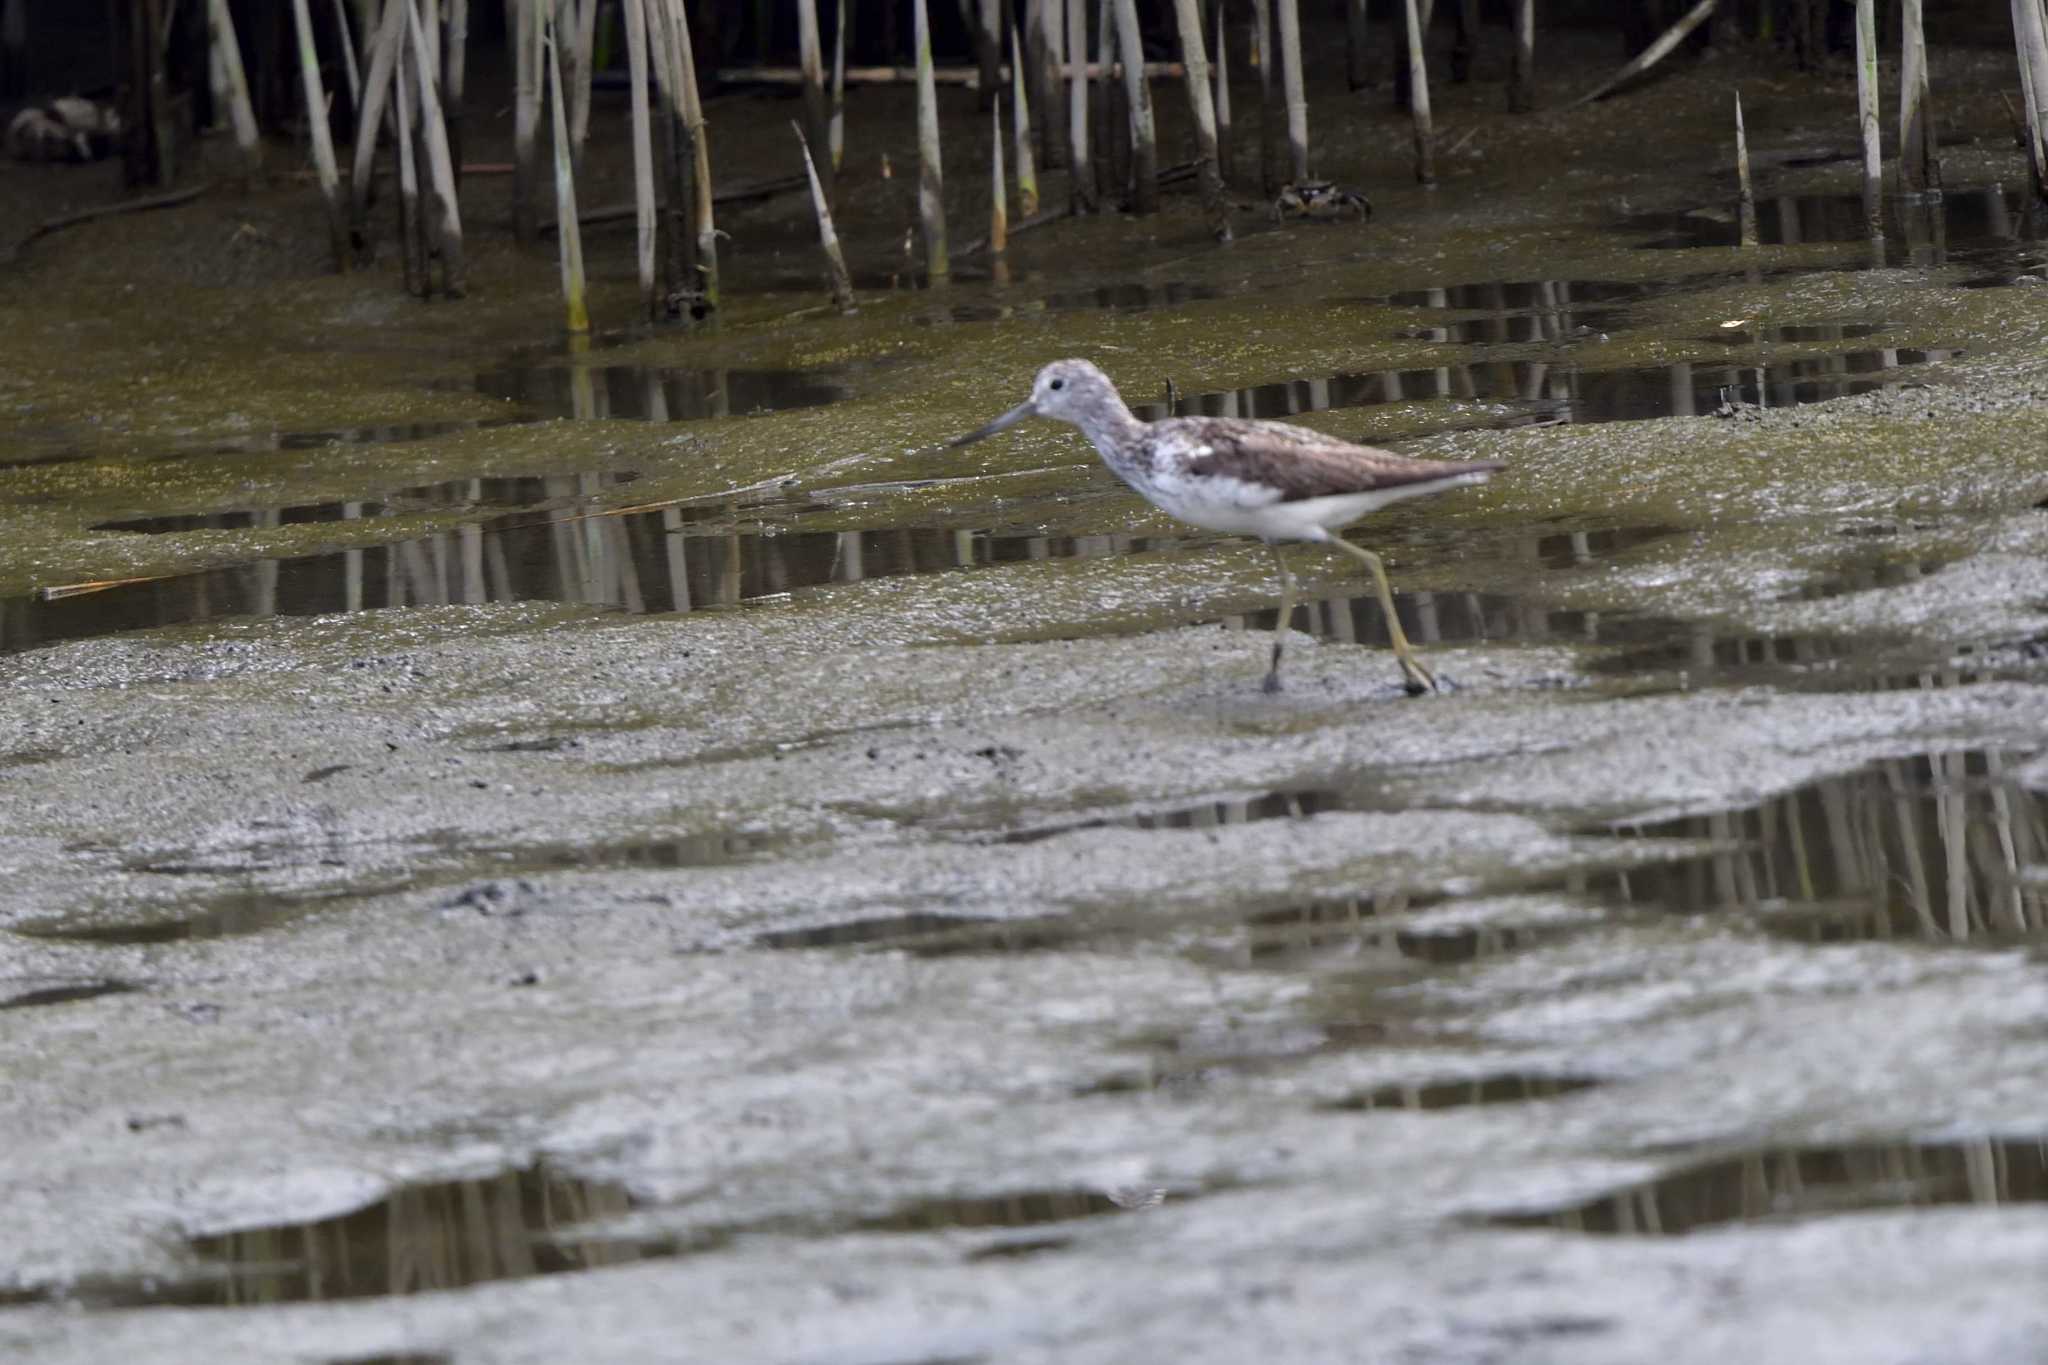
x,y
503,840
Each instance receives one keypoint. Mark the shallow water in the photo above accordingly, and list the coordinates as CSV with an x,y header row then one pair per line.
x,y
891,954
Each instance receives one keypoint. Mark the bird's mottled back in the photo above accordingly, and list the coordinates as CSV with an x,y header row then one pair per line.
x,y
1299,462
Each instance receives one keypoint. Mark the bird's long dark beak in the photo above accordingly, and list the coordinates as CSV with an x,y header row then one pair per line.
x,y
1007,420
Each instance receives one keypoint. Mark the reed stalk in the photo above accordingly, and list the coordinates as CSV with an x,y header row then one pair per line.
x,y
998,207
2030,33
643,156
673,235
221,25
1137,94
1522,84
842,283
1270,114
931,205
701,217
1651,55
1291,84
988,50
1020,109
1053,152
1919,166
322,138
1747,205
1080,164
1866,112
348,55
525,26
585,49
575,295
455,77
1101,101
836,134
1195,62
1418,99
411,252
811,55
445,217
1224,164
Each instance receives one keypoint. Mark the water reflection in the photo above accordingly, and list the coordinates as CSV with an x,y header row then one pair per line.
x,y
663,559
1788,1183
1944,847
1504,1088
1129,296
418,1239
657,393
1568,391
62,993
1916,230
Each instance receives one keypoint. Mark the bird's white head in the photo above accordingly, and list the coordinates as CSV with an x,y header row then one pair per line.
x,y
1066,391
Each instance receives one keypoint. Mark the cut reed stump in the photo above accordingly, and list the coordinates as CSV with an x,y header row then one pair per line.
x,y
931,205
828,240
1195,60
1138,95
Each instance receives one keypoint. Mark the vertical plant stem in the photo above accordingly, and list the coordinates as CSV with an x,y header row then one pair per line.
x,y
988,51
445,210
525,118
931,207
1080,165
1195,67
842,283
455,66
323,140
348,55
384,51
1101,129
643,156
836,134
1919,166
222,27
1418,99
585,48
1224,167
1522,86
1291,82
700,161
1866,110
575,296
2028,93
1020,109
1269,97
1052,152
1748,196
414,259
998,207
673,234
811,55
1138,94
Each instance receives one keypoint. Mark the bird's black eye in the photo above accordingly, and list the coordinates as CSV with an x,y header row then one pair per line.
x,y
1057,384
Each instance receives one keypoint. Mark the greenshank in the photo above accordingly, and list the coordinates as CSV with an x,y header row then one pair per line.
x,y
1272,480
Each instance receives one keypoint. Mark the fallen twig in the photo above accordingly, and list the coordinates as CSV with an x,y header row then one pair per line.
x,y
143,205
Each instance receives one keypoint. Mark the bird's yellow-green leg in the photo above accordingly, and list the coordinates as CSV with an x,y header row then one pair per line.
x,y
1272,683
1419,679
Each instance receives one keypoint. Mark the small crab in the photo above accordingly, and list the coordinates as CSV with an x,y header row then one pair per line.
x,y
1320,201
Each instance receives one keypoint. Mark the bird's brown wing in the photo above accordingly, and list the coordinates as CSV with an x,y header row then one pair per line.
x,y
1307,464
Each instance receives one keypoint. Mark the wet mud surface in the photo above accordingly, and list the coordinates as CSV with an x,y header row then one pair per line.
x,y
499,840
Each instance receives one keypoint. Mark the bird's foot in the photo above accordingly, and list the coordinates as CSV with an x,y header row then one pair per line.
x,y
1416,679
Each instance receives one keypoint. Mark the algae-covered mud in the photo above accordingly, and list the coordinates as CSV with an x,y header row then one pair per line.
x,y
512,852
